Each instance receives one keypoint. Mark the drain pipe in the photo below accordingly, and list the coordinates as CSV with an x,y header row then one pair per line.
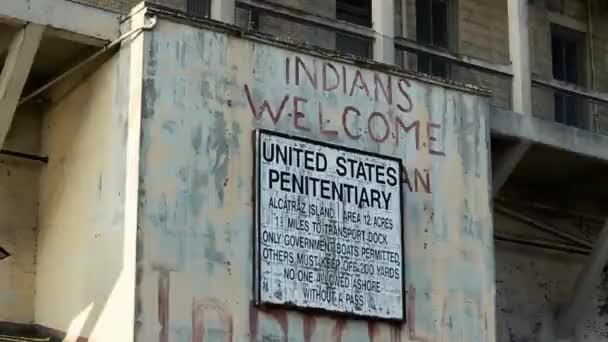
x,y
147,26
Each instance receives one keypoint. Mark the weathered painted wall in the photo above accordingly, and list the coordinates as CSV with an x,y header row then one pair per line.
x,y
86,263
18,219
202,98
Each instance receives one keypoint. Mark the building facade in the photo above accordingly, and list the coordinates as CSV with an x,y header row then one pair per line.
x,y
128,197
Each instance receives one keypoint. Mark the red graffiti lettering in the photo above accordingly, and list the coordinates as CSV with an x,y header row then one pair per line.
x,y
414,125
386,90
410,105
327,132
359,79
298,114
258,111
370,124
312,77
432,138
200,308
326,85
344,119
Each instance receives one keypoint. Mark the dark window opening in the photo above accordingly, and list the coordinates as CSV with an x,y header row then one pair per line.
x,y
568,65
358,46
555,5
198,8
432,21
358,12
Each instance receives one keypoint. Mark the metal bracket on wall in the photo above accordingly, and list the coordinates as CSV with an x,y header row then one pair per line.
x,y
27,156
4,254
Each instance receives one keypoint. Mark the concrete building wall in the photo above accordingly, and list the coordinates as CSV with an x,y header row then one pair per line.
x,y
599,11
18,219
483,30
196,207
85,264
573,16
532,283
479,29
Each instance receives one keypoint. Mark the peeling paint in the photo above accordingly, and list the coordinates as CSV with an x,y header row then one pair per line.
x,y
205,92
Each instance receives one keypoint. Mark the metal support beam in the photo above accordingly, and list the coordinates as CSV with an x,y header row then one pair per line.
x,y
569,315
15,72
542,226
223,10
383,12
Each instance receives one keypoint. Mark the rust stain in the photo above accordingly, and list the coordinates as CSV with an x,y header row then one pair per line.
x,y
339,329
371,330
308,327
444,310
164,282
411,311
395,334
200,308
280,316
253,323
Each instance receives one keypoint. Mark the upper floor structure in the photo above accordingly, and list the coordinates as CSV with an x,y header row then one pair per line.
x,y
544,64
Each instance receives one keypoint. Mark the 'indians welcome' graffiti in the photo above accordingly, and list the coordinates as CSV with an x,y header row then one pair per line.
x,y
327,78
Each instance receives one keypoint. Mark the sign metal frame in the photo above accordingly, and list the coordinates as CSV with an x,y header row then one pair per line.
x,y
257,135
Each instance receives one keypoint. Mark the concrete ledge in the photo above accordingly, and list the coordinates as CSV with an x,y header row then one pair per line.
x,y
529,128
62,16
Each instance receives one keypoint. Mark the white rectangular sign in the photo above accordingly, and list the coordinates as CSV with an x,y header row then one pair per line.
x,y
328,229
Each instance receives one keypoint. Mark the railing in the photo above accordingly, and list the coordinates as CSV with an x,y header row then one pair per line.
x,y
122,6
570,105
442,63
304,27
197,8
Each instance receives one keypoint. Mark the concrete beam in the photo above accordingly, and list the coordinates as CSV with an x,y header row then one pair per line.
x,y
14,74
223,10
504,164
532,129
63,17
383,25
569,315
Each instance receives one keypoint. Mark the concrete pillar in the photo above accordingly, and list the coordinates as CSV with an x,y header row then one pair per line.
x,y
519,50
383,24
223,10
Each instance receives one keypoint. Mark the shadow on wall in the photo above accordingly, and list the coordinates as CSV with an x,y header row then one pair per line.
x,y
4,254
83,287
